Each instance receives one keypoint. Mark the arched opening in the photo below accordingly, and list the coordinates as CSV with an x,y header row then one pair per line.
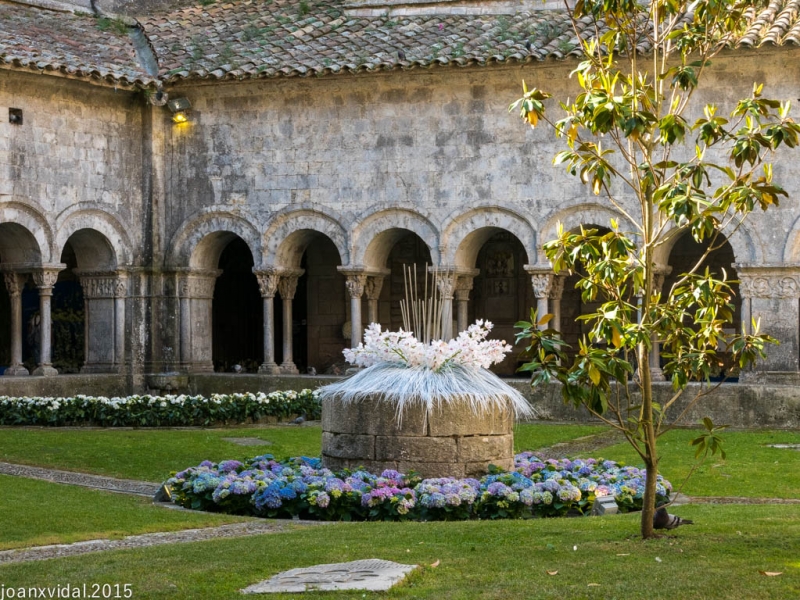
x,y
320,309
401,248
68,312
85,308
573,306
502,291
237,316
684,256
19,300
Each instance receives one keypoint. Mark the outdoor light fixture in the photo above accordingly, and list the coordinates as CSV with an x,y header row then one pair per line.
x,y
604,505
179,107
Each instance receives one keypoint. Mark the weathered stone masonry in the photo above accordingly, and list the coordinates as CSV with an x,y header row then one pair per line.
x,y
324,187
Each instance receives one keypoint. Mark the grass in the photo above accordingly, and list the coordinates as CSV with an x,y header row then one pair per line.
x,y
146,454
151,454
38,513
720,557
752,469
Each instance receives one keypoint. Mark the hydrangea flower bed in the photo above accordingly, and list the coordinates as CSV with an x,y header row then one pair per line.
x,y
301,487
154,411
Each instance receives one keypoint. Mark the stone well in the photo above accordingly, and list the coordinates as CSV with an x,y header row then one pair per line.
x,y
449,441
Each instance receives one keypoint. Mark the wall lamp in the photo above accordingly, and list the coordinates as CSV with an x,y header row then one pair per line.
x,y
180,108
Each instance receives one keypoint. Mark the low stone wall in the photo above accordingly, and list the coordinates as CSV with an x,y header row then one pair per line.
x,y
446,442
741,405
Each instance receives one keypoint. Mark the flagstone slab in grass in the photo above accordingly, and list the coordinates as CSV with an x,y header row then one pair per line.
x,y
373,575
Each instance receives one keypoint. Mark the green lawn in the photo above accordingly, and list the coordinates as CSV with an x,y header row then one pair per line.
x,y
37,513
151,454
752,469
720,557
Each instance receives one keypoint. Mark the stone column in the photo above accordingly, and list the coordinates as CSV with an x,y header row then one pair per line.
x,y
771,295
542,281
355,287
99,318
287,288
656,374
14,284
373,291
556,291
268,285
447,284
120,296
197,294
45,279
463,288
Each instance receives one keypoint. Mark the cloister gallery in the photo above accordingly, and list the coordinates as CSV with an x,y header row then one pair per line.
x,y
321,150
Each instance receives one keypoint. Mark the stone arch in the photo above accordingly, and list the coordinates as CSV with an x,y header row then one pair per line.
x,y
791,251
745,248
26,235
290,234
465,234
99,239
199,242
583,214
375,235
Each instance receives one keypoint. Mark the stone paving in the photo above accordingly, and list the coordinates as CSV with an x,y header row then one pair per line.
x,y
125,486
254,527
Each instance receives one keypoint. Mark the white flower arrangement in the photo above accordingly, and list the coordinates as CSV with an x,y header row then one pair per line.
x,y
470,349
403,370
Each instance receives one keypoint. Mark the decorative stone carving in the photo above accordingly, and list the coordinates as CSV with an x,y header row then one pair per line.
x,y
556,287
98,285
374,286
287,286
769,285
45,279
542,283
267,283
446,283
355,285
15,282
121,286
463,288
198,284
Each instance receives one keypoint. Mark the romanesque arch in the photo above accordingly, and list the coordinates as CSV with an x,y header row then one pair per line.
x,y
289,234
465,234
26,235
375,235
199,242
110,248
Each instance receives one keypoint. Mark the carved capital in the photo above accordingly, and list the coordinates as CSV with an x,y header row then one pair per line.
x,y
45,279
355,285
374,287
267,283
463,287
542,284
121,286
14,282
198,284
287,286
446,282
556,287
97,284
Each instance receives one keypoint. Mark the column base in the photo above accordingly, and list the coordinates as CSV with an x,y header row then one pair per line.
x,y
656,374
16,371
45,371
269,369
289,368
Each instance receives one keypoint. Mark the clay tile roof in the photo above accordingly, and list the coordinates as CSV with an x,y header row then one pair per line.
x,y
72,44
263,38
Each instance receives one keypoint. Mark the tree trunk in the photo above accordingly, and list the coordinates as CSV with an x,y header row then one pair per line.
x,y
651,455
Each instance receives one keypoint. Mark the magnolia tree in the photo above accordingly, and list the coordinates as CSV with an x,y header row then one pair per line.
x,y
628,137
